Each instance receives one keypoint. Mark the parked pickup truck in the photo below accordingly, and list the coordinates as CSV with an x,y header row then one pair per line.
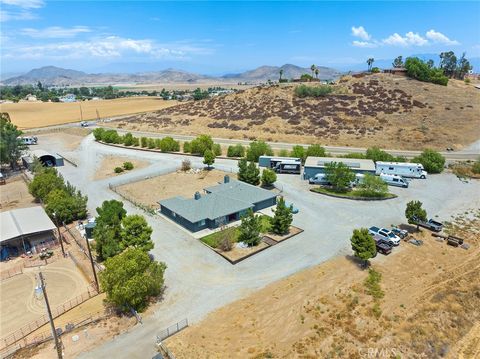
x,y
385,234
431,225
384,247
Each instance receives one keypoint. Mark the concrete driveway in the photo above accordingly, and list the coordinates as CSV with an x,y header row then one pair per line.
x,y
199,281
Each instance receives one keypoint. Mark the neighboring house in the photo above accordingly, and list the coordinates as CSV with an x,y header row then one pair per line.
x,y
314,165
31,98
23,230
220,205
399,71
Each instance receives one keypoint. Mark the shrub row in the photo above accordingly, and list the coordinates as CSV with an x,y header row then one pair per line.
x,y
166,144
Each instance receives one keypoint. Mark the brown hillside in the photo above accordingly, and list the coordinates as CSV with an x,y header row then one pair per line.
x,y
389,111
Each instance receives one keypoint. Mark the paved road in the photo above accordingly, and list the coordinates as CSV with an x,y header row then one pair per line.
x,y
472,152
199,281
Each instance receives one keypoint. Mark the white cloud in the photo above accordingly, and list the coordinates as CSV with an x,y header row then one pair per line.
x,y
364,44
24,4
55,32
16,15
440,38
361,33
106,47
410,39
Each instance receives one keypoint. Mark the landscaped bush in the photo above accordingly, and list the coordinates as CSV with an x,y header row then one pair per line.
x,y
201,144
313,91
128,139
168,144
421,71
432,161
128,166
373,186
111,136
144,142
98,133
151,143
118,169
217,149
257,149
235,151
136,141
187,147
158,143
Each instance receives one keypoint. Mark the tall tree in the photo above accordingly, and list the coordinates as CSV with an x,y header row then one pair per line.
x,y
268,177
317,71
130,279
282,218
11,146
463,67
45,182
339,175
136,233
250,229
253,174
398,62
370,62
312,68
281,74
242,169
363,245
208,158
414,212
448,63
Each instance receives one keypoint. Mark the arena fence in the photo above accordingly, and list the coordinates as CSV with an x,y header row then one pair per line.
x,y
171,330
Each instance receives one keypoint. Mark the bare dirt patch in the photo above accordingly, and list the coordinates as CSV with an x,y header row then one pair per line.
x,y
108,163
40,114
359,112
431,296
148,192
14,194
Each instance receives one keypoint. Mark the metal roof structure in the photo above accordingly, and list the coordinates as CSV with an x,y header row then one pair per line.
x,y
220,200
24,221
353,163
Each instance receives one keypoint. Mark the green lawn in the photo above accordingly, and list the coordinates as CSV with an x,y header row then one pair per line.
x,y
351,194
214,239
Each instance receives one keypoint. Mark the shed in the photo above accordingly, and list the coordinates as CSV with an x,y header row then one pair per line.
x,y
48,159
314,165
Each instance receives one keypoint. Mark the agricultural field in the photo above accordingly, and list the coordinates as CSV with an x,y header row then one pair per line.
x,y
40,114
404,113
331,311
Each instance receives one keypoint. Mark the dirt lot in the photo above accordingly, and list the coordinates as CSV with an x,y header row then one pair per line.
x,y
173,184
14,194
64,282
108,163
431,301
40,114
359,112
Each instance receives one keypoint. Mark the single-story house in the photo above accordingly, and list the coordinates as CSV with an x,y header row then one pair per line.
x,y
219,205
314,165
23,230
47,159
398,71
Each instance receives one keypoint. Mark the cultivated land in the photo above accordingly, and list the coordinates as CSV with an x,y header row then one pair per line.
x,y
384,110
431,302
107,165
148,192
18,293
40,114
14,194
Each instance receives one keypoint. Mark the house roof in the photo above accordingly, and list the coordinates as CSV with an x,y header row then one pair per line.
x,y
220,200
353,163
24,221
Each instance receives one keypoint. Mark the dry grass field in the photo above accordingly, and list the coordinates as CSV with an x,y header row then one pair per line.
x,y
383,110
107,164
430,309
14,194
148,192
40,114
64,282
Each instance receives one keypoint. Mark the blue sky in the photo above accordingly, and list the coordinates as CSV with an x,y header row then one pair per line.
x,y
221,37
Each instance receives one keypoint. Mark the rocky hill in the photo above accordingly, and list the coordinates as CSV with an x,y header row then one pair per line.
x,y
384,110
290,71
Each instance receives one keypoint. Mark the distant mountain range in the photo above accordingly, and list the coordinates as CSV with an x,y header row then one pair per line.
x,y
51,75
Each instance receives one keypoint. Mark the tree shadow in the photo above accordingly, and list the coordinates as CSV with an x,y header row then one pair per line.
x,y
361,264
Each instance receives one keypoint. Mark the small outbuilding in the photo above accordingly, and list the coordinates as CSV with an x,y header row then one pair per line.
x,y
47,159
314,165
219,205
25,229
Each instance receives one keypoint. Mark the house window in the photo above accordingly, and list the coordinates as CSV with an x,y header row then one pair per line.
x,y
202,222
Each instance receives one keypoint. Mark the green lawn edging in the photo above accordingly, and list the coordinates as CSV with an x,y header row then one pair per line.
x,y
326,192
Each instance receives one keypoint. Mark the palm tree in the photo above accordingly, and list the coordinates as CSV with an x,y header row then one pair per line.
x,y
281,73
313,67
370,62
316,72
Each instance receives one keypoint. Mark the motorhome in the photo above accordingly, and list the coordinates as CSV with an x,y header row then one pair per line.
x,y
29,140
288,166
413,170
394,180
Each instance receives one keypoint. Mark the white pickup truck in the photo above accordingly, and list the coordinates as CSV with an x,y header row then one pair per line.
x,y
385,234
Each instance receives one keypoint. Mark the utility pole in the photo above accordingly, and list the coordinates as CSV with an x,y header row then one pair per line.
x,y
93,265
54,332
81,113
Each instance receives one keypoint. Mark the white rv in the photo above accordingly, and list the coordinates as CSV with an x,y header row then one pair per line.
x,y
413,170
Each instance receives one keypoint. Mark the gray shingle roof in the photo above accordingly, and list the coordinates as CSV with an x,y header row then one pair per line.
x,y
221,200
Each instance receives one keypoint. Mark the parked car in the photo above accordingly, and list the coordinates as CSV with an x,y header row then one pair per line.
x,y
399,232
385,234
384,247
319,178
84,124
431,225
394,180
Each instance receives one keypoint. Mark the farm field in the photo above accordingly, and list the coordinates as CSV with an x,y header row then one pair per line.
x,y
40,114
326,311
148,192
64,282
407,115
